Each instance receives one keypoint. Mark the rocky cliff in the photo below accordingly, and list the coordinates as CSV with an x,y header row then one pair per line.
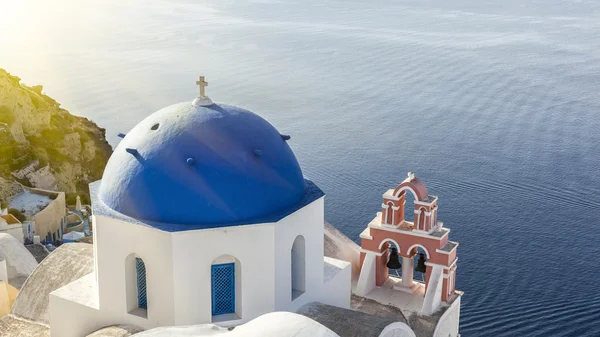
x,y
43,145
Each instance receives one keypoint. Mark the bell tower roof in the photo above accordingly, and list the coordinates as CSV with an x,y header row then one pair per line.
x,y
415,185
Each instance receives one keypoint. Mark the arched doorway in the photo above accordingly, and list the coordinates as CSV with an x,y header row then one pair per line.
x,y
387,247
408,206
298,257
419,253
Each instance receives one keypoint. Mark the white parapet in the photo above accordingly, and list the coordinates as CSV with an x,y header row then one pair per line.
x,y
448,324
433,296
3,271
366,281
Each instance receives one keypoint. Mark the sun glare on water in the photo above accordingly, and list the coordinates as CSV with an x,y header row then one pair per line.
x,y
11,18
11,10
22,20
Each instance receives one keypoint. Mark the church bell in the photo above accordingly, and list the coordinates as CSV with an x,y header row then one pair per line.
x,y
394,262
421,264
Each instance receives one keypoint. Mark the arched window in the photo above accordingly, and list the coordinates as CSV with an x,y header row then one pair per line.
x,y
421,225
389,213
298,267
401,204
409,206
226,288
135,274
140,273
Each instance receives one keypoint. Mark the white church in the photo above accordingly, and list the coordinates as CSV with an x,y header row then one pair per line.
x,y
218,227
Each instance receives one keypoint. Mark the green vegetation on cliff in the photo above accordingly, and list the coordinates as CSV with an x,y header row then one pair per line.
x,y
43,145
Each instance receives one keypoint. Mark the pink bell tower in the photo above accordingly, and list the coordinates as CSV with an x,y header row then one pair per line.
x,y
424,233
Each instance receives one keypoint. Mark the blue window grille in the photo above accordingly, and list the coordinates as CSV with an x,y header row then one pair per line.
x,y
223,288
140,269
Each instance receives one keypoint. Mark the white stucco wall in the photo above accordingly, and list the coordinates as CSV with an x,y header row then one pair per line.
x,y
70,319
115,240
433,297
178,273
193,255
15,230
449,322
264,253
366,281
307,222
73,310
337,289
3,271
74,313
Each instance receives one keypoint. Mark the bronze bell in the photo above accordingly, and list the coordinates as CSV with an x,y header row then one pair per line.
x,y
421,264
394,262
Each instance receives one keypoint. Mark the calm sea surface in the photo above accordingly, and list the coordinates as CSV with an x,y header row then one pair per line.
x,y
494,104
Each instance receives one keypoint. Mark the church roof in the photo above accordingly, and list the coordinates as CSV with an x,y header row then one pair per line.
x,y
67,263
19,261
29,315
203,166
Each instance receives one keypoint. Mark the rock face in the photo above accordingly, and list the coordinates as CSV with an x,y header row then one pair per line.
x,y
8,188
42,145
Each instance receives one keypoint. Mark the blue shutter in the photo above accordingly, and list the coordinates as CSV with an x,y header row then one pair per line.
x,y
140,268
223,288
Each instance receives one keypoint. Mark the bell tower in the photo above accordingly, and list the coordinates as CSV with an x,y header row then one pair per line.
x,y
392,242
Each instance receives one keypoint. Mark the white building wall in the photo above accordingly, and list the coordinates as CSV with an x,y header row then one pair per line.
x,y
71,319
115,240
307,222
3,271
15,231
433,297
193,255
366,281
449,322
337,289
178,272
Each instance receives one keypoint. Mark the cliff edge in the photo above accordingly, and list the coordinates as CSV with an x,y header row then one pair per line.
x,y
43,145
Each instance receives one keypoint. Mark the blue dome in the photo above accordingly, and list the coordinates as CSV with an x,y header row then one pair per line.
x,y
194,165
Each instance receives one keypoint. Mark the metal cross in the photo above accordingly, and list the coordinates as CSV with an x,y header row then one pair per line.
x,y
203,84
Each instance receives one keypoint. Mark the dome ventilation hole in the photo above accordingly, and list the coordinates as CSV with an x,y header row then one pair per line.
x,y
155,126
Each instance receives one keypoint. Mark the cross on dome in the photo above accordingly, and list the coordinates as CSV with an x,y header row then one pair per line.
x,y
202,100
203,84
